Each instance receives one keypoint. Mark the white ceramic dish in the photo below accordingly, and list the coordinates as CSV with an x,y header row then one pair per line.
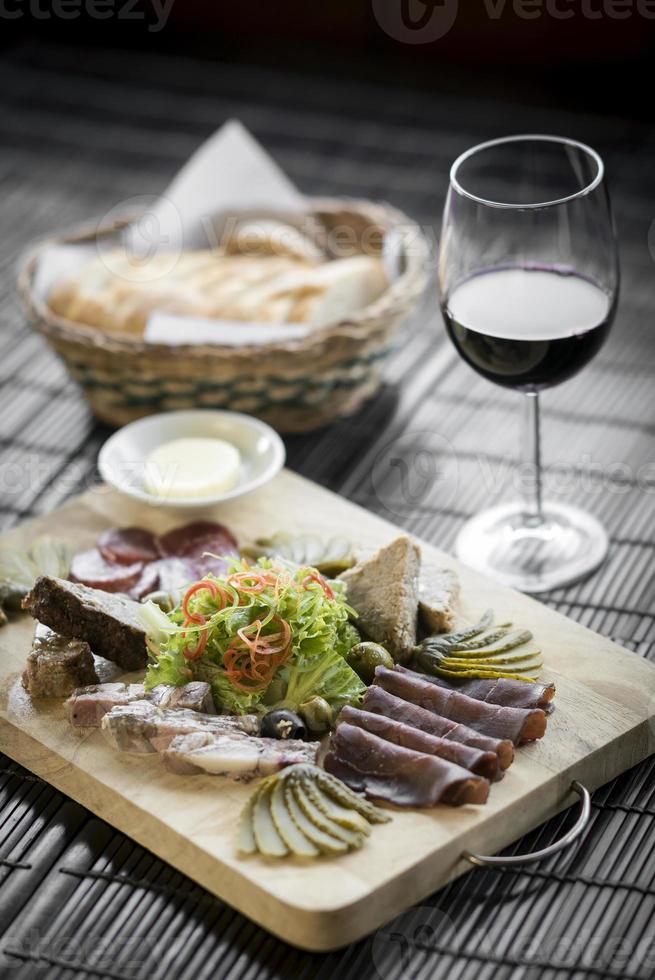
x,y
122,458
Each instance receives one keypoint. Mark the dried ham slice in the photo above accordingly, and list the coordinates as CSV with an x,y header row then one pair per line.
x,y
501,690
516,724
385,771
127,545
478,762
381,702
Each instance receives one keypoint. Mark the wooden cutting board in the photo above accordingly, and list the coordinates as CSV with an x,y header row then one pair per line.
x,y
604,723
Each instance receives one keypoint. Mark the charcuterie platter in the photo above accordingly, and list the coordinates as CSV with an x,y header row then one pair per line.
x,y
319,840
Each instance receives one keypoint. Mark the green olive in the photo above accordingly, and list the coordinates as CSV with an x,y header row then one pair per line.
x,y
365,657
317,715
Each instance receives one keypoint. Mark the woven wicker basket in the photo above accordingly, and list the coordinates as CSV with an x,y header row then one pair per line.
x,y
294,385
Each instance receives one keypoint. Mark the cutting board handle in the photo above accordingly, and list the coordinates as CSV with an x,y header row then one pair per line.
x,y
490,861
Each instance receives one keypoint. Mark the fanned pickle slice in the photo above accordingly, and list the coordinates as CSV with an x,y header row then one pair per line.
x,y
266,835
324,842
476,673
344,795
246,843
288,830
353,839
508,642
341,815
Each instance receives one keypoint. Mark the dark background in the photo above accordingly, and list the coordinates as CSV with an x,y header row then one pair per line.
x,y
598,57
95,112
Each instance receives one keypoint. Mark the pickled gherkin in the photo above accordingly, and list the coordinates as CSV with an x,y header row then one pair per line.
x,y
305,811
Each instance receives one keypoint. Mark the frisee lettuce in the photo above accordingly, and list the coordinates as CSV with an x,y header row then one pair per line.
x,y
321,636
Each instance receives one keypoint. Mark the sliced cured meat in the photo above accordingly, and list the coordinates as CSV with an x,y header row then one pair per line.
x,y
147,582
501,690
384,771
381,702
191,540
87,706
516,724
196,696
236,757
476,760
127,545
170,575
142,726
90,568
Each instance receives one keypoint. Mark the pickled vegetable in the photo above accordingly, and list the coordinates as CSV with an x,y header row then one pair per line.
x,y
365,657
306,812
480,652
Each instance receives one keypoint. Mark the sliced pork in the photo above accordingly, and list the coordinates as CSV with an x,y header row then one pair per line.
x,y
87,706
516,724
385,771
196,696
383,703
141,727
502,690
478,762
236,757
56,665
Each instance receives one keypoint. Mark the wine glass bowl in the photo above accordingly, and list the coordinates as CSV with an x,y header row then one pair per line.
x,y
528,277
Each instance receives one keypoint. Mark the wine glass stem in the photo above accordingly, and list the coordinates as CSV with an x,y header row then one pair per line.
x,y
532,456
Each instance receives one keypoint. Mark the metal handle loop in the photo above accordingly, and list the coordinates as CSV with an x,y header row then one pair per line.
x,y
491,861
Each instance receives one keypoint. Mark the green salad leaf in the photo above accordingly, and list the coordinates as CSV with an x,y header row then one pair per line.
x,y
258,600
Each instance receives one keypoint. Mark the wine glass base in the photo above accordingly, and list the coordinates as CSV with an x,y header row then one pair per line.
x,y
502,543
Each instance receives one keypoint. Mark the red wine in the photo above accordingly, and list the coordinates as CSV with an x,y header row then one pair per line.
x,y
527,328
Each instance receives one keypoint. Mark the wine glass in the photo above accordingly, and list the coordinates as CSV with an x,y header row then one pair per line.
x,y
529,278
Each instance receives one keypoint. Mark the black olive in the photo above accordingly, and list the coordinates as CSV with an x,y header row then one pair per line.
x,y
282,723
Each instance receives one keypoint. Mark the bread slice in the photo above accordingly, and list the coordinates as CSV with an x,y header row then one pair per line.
x,y
383,590
438,594
117,294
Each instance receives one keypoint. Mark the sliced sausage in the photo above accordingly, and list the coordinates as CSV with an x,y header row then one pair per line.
x,y
127,545
90,568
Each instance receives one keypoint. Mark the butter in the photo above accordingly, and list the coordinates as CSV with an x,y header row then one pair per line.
x,y
187,469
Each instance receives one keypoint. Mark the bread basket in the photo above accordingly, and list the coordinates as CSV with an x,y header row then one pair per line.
x,y
295,386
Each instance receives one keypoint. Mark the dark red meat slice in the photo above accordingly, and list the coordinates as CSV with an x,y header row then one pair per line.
x,y
478,762
385,771
516,724
381,702
127,545
501,690
192,541
169,575
90,568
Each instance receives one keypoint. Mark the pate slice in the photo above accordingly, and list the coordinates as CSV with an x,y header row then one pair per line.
x,y
383,590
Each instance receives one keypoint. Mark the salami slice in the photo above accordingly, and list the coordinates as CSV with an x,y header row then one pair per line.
x,y
170,575
90,568
127,545
192,541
